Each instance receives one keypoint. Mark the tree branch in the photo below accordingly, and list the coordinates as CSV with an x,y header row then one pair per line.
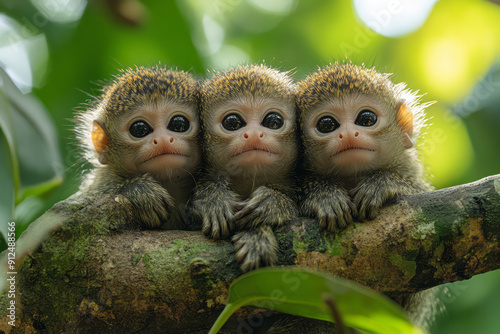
x,y
95,272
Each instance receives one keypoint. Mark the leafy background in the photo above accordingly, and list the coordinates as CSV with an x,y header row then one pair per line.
x,y
56,54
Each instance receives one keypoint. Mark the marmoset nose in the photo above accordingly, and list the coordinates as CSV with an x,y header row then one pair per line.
x,y
253,134
347,131
161,140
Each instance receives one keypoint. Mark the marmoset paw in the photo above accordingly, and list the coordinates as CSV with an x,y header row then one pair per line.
x,y
334,210
255,248
152,203
215,216
369,198
265,206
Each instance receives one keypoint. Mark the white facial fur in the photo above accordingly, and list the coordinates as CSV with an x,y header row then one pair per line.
x,y
352,148
254,150
164,153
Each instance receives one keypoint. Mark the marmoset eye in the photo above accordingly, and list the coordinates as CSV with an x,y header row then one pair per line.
x,y
140,129
233,122
327,124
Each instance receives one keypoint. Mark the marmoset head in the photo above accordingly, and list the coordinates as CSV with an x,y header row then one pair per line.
x,y
146,121
354,119
248,116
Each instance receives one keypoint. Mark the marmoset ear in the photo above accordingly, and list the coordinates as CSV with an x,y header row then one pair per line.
x,y
100,140
405,121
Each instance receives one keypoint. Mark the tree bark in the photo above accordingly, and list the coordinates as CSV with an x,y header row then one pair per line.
x,y
96,272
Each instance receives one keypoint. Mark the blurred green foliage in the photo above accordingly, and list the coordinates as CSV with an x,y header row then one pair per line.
x,y
31,165
66,50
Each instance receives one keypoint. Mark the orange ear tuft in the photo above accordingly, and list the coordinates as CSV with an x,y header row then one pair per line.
x,y
99,138
405,120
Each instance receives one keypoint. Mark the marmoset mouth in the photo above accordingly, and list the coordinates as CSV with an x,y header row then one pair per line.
x,y
173,153
254,149
345,149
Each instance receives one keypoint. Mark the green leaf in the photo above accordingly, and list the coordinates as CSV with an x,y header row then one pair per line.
x,y
26,212
34,136
29,152
7,193
301,292
41,190
9,175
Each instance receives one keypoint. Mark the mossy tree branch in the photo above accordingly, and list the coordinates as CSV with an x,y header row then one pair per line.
x,y
95,272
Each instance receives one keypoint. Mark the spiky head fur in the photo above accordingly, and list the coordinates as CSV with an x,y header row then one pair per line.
x,y
244,80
